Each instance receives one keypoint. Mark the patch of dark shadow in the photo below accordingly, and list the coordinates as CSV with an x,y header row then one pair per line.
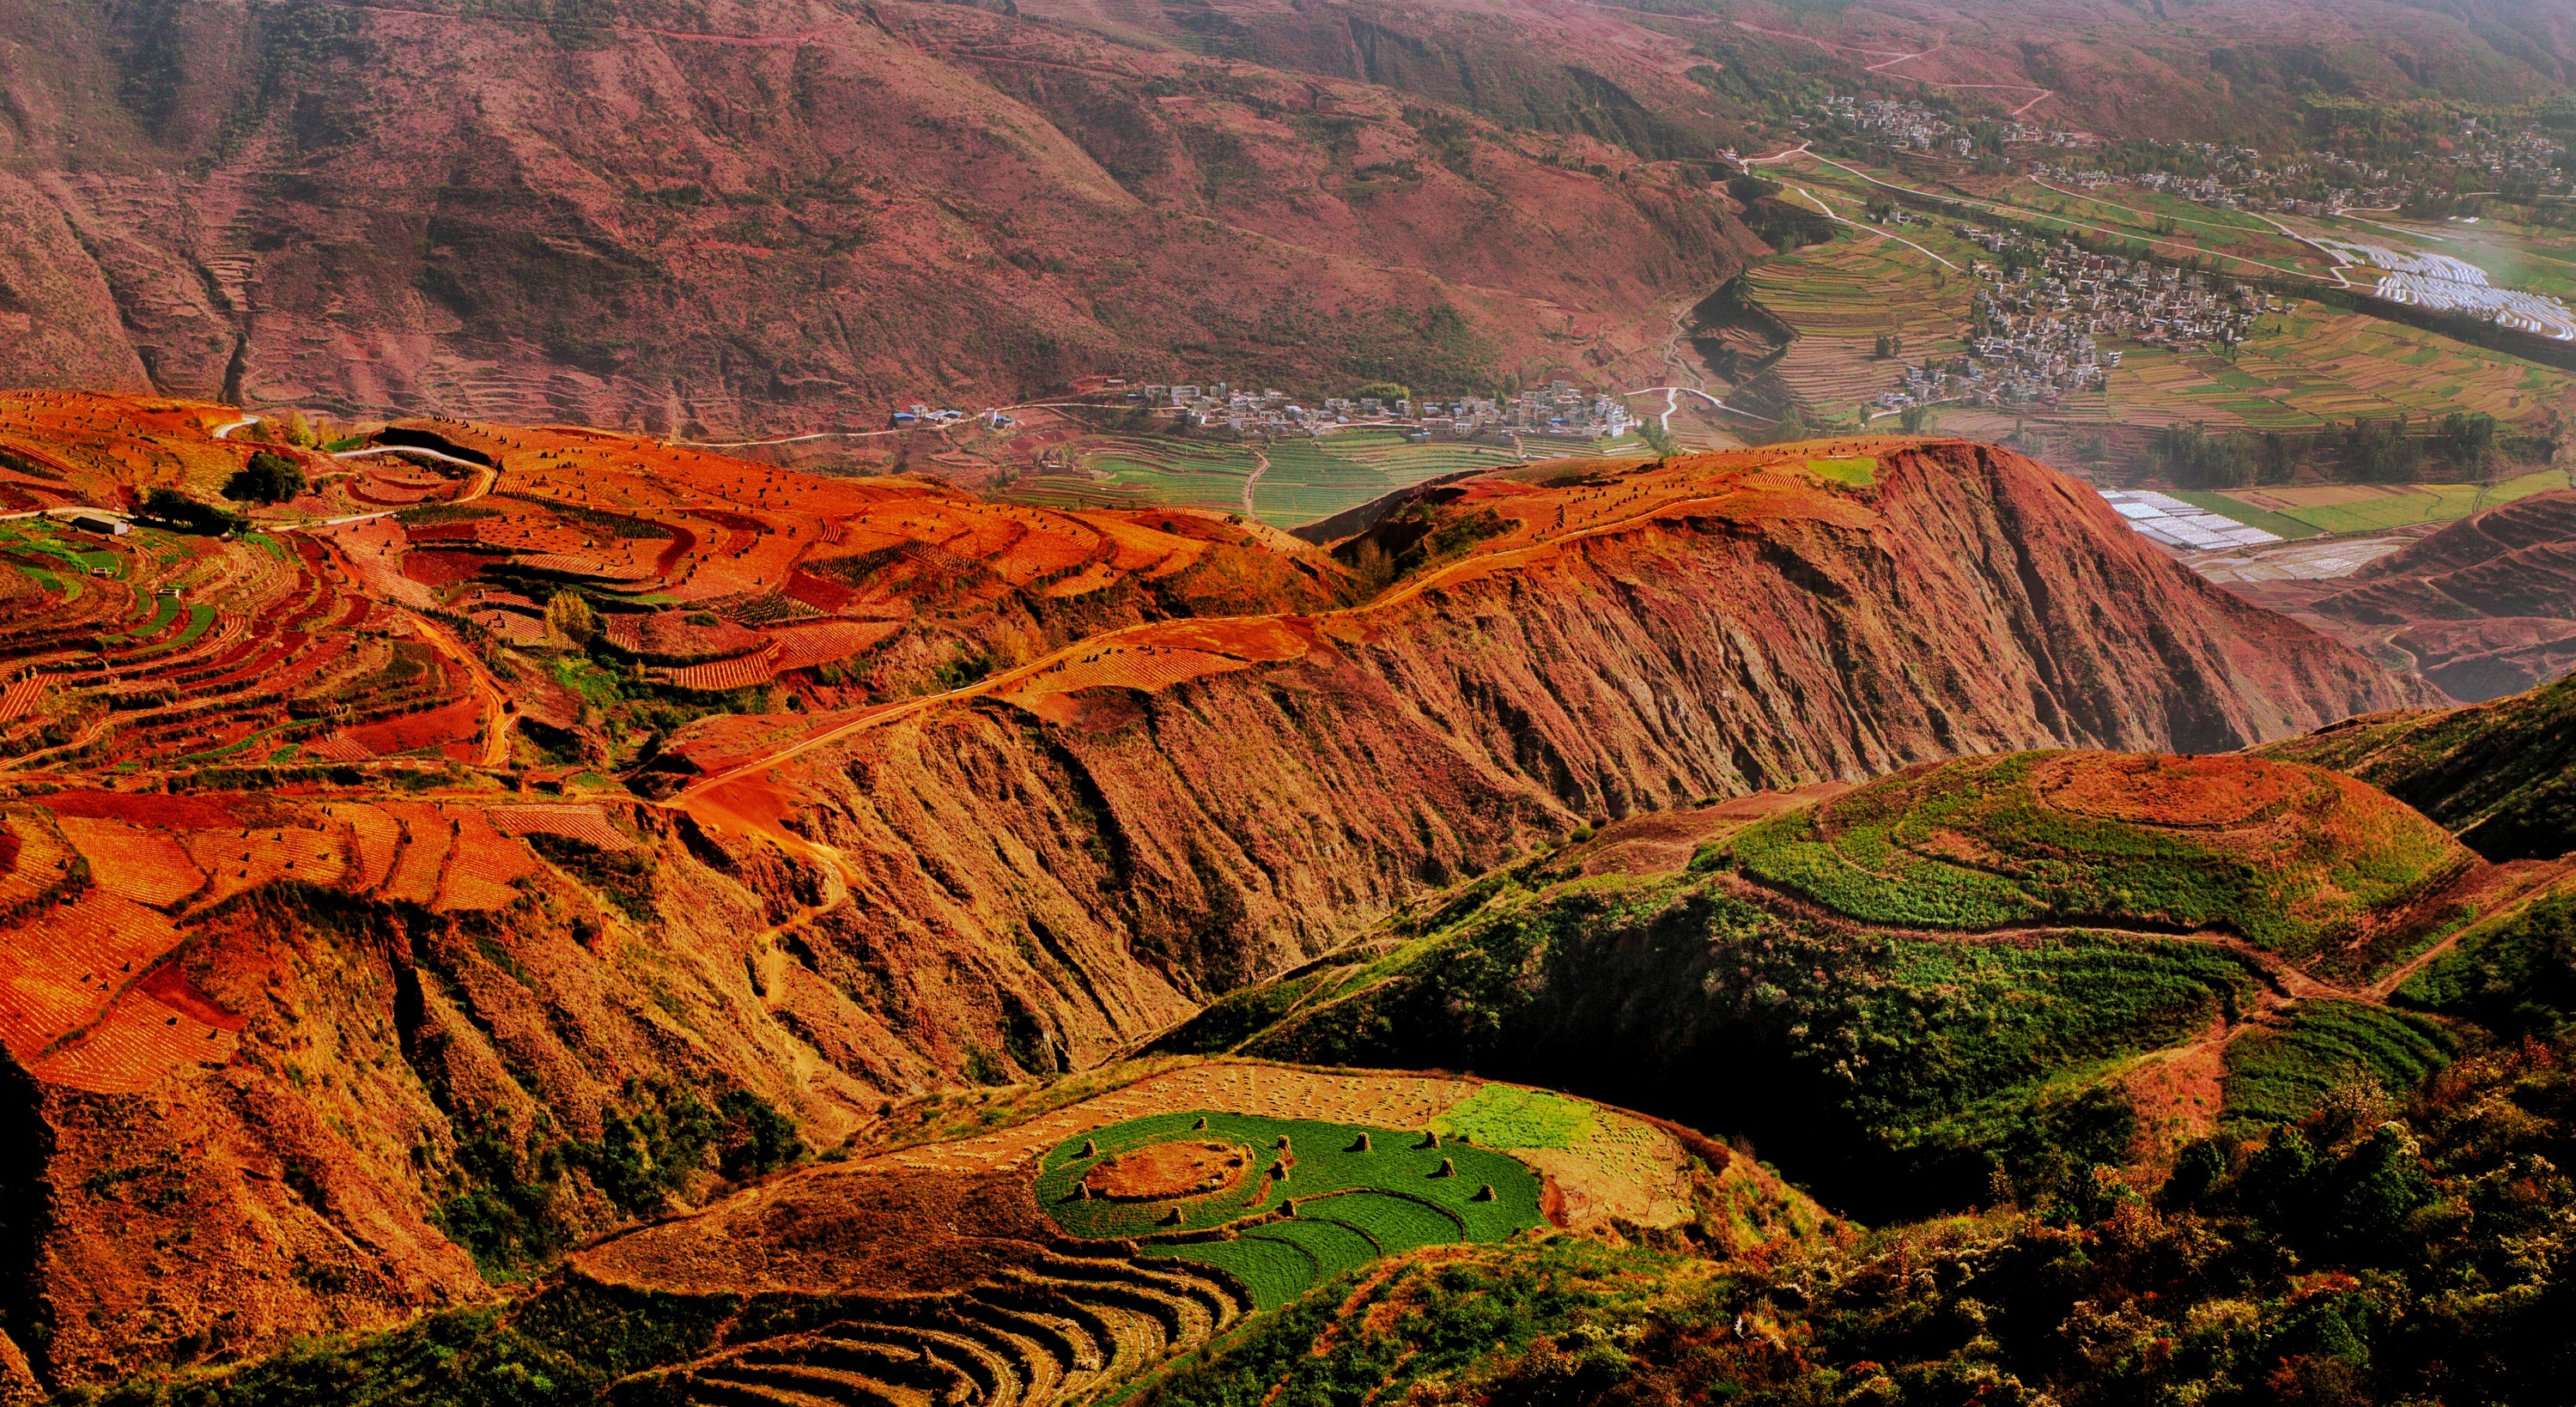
x,y
403,437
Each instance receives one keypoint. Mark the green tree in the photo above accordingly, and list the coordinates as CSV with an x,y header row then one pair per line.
x,y
2467,440
571,616
268,478
174,509
1658,439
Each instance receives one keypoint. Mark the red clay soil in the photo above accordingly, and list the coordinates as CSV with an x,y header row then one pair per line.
x,y
448,723
835,1233
218,812
1168,1170
444,567
2180,792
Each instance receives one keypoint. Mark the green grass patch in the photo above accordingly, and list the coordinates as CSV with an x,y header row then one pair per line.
x,y
2277,524
1277,1269
1857,469
2279,1077
199,619
1506,1116
165,609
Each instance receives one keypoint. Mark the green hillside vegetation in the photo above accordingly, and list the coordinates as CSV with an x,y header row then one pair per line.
x,y
1992,842
1889,1073
2279,1076
2513,973
2411,1250
2502,775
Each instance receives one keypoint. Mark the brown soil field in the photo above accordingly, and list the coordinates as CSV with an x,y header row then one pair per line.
x,y
1168,1170
2186,792
836,1230
147,866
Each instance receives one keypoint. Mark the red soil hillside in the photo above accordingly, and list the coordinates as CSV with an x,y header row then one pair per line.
x,y
347,867
2484,608
786,217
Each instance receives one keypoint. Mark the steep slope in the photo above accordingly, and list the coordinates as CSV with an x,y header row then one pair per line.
x,y
2501,775
2483,608
1559,643
326,1016
781,214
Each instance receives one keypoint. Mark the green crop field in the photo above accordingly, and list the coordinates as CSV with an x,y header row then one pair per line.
x,y
165,609
1310,479
2279,1076
2277,524
2407,504
1858,469
2313,856
86,559
1504,1116
1306,479
1364,1203
199,617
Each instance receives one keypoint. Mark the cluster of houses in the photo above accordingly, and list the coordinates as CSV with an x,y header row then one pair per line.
x,y
1912,126
2044,312
2239,178
1559,408
2526,155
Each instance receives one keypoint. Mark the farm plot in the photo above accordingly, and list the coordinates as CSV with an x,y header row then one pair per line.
x,y
140,1039
38,857
585,823
146,866
374,839
483,865
438,727
1310,479
1366,1192
2285,855
243,862
2359,508
59,970
426,836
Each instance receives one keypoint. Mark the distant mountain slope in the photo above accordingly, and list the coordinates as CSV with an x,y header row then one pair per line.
x,y
2501,775
779,215
2485,607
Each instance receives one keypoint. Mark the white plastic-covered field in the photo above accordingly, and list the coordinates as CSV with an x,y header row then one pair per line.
x,y
2429,280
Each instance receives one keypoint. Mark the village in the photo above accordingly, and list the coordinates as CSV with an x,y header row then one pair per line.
x,y
2323,184
2472,156
1559,409
2043,312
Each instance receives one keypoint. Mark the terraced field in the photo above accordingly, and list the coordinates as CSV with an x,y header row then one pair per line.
x,y
1306,478
1349,1193
2287,856
929,1274
2359,508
